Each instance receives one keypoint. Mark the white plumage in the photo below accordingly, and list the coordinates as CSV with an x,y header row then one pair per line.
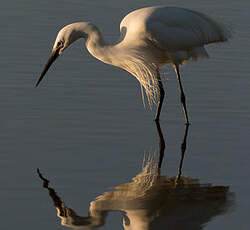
x,y
150,37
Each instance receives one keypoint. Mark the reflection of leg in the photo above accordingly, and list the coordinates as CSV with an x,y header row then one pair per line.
x,y
183,149
160,96
183,98
161,143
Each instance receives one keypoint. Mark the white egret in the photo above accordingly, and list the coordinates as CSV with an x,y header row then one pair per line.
x,y
150,37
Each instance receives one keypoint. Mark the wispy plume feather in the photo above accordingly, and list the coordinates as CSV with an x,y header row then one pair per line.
x,y
146,74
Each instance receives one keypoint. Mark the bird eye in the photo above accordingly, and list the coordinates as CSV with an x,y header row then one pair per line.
x,y
59,44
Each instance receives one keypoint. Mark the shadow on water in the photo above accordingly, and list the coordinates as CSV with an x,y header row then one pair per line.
x,y
151,200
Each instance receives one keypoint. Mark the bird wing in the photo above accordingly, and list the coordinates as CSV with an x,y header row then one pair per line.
x,y
173,28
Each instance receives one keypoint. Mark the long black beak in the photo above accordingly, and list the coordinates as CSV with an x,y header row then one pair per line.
x,y
52,58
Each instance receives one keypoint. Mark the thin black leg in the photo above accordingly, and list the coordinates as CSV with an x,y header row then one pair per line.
x,y
183,98
160,97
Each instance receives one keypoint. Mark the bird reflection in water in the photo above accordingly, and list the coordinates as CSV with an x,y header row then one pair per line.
x,y
152,201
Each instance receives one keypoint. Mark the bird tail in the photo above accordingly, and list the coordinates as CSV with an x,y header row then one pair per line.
x,y
197,52
215,31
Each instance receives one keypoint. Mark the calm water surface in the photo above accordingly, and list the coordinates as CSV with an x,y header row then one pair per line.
x,y
86,129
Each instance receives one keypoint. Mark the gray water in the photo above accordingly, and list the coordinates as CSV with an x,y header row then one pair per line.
x,y
86,129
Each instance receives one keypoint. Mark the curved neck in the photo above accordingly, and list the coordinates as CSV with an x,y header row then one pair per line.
x,y
95,43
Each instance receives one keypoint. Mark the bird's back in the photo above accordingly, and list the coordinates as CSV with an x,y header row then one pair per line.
x,y
172,28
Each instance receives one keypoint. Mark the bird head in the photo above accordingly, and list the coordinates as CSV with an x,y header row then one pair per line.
x,y
65,37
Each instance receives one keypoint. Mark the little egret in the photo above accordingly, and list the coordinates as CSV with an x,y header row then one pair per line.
x,y
150,37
